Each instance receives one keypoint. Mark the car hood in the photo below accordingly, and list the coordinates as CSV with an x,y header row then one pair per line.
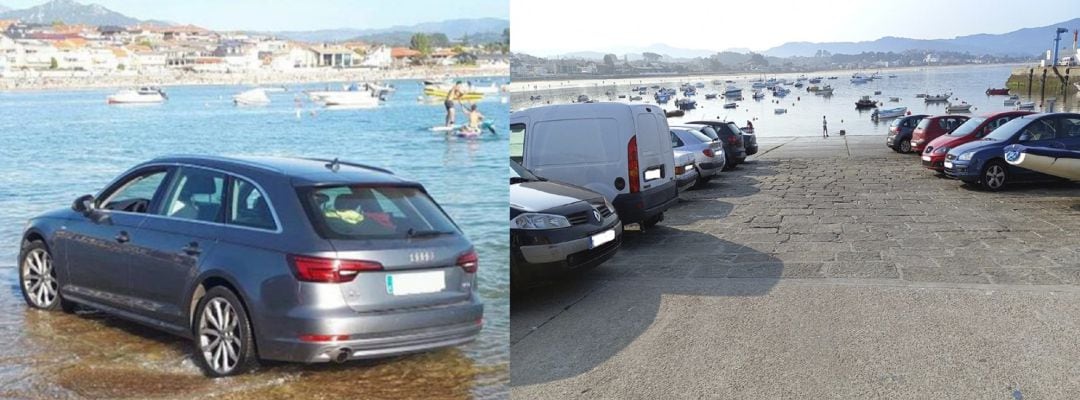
x,y
543,195
949,141
976,145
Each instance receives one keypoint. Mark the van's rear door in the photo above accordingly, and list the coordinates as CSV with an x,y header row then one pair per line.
x,y
656,159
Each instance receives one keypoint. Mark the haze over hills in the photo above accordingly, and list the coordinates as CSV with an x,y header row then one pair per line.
x,y
1022,42
479,30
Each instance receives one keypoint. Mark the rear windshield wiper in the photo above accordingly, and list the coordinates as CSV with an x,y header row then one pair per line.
x,y
423,233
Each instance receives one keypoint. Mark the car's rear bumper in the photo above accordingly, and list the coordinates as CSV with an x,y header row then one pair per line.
x,y
648,203
375,334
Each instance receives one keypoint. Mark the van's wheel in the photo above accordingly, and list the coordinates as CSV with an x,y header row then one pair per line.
x,y
224,343
994,176
37,278
905,146
651,222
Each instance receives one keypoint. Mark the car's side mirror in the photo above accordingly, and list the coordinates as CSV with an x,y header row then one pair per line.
x,y
84,204
1025,137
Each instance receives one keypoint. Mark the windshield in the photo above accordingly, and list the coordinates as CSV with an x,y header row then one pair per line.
x,y
1006,131
967,127
373,212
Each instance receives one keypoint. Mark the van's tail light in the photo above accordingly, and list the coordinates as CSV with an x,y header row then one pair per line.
x,y
632,165
708,153
329,270
469,261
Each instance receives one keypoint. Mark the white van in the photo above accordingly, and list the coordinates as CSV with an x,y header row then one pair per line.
x,y
622,151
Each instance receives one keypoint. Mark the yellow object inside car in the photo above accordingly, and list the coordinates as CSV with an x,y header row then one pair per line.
x,y
348,216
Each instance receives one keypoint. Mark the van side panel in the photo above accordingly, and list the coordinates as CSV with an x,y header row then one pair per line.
x,y
584,152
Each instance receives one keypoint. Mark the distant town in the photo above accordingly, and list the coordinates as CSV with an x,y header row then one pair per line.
x,y
59,54
526,67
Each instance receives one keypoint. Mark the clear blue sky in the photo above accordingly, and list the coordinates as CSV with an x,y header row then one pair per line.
x,y
297,14
548,27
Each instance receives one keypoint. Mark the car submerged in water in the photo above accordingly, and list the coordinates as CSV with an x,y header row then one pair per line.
x,y
255,258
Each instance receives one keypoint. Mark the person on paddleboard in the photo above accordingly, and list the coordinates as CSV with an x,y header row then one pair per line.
x,y
475,118
452,95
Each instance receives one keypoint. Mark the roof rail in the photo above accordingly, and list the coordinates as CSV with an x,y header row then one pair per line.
x,y
351,164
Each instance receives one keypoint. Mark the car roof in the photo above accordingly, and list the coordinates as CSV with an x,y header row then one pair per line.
x,y
302,171
690,126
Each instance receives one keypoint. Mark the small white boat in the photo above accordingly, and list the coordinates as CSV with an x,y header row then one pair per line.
x,y
1057,162
350,99
825,91
780,111
273,89
758,95
143,95
253,97
938,97
962,107
1010,102
894,99
1027,105
889,113
732,91
920,95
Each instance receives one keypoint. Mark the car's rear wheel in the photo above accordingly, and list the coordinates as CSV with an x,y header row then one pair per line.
x,y
905,146
224,343
37,278
651,222
994,176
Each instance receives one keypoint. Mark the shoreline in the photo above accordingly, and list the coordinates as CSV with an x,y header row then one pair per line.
x,y
258,78
528,85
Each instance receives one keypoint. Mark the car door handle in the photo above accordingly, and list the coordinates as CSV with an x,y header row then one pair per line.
x,y
122,237
192,249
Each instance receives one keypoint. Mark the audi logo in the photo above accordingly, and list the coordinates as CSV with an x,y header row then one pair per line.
x,y
421,256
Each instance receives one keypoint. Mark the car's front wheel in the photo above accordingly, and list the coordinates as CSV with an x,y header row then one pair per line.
x,y
224,344
37,278
994,176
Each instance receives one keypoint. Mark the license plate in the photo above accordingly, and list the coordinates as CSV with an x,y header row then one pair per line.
x,y
652,174
601,238
415,283
926,158
948,164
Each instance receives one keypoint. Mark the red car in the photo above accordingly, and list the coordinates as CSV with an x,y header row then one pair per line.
x,y
933,156
931,128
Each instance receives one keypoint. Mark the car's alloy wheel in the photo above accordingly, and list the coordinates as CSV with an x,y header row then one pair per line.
x,y
994,176
224,342
39,282
905,146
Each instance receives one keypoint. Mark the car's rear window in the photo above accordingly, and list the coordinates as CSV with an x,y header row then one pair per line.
x,y
923,124
374,212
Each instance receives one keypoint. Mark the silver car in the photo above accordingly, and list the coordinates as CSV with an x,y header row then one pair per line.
x,y
261,258
708,154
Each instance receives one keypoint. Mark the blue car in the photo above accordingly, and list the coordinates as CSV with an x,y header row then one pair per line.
x,y
983,162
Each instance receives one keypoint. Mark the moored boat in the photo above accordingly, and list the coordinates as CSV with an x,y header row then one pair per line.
x,y
1027,105
1051,161
997,92
730,105
865,102
251,97
142,95
780,111
937,97
889,112
962,107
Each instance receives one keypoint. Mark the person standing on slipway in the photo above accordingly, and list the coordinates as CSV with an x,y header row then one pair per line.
x,y
824,127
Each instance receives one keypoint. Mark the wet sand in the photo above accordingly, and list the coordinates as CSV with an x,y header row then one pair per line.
x,y
90,355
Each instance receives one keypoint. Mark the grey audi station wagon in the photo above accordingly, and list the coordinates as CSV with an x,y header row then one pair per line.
x,y
255,258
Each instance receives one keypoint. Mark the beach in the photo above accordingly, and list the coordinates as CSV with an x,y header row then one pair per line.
x,y
70,80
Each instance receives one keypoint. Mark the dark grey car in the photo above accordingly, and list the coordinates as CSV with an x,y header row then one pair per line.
x,y
262,258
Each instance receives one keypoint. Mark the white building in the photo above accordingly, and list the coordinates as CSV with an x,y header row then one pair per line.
x,y
378,58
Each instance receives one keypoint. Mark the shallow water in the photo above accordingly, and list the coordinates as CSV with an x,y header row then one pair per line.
x,y
55,146
804,109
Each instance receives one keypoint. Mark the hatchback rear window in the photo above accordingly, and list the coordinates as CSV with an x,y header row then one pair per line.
x,y
371,212
923,124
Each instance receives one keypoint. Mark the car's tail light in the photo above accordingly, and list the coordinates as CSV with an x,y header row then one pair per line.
x,y
632,165
329,270
469,261
892,129
323,338
708,153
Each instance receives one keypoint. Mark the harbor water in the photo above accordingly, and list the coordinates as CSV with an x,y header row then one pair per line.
x,y
57,145
804,110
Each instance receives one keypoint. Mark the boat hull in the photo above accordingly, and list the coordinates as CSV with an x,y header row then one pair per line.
x,y
1060,163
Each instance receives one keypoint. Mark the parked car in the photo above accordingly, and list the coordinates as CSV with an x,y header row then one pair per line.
x,y
931,128
313,260
749,140
622,151
708,153
731,137
686,173
557,227
983,162
900,130
933,156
